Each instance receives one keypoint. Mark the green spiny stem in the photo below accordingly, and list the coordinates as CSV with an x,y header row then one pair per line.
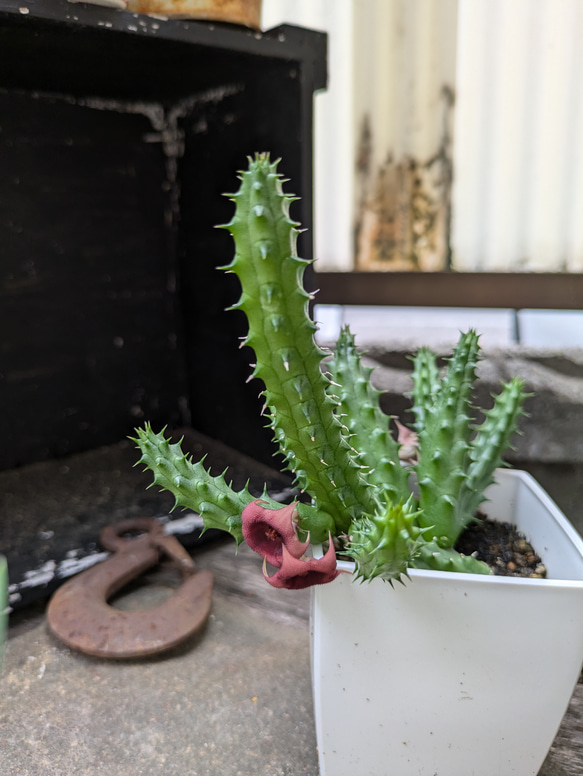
x,y
385,544
426,384
366,425
287,359
191,485
431,556
445,443
491,441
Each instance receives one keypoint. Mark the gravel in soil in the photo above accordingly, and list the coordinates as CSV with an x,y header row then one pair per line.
x,y
502,547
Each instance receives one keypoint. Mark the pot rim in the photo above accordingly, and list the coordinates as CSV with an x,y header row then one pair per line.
x,y
412,574
555,514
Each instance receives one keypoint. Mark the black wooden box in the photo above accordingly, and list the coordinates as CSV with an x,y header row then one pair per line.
x,y
119,134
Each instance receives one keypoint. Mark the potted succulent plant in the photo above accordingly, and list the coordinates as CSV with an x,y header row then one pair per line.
x,y
413,678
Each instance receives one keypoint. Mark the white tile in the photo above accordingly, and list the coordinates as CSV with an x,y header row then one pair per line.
x,y
551,328
414,326
329,320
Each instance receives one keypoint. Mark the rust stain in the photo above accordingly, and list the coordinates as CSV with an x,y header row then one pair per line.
x,y
245,12
403,223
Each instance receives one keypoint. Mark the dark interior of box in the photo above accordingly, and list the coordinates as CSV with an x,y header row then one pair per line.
x,y
119,136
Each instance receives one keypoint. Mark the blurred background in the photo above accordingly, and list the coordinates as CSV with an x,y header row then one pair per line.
x,y
449,138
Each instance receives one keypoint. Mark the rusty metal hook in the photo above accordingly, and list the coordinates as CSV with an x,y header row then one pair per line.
x,y
79,615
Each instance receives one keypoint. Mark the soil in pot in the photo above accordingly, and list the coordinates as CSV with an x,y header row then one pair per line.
x,y
502,547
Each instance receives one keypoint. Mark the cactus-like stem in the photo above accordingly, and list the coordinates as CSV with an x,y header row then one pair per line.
x,y
332,433
287,359
445,444
426,385
431,556
492,439
385,544
365,424
191,485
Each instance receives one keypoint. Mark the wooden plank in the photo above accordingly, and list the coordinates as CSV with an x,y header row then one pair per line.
x,y
140,57
551,291
100,165
87,309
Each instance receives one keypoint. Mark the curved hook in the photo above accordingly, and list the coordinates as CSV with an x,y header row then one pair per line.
x,y
79,615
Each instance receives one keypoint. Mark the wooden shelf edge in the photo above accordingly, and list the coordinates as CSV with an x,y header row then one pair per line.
x,y
551,291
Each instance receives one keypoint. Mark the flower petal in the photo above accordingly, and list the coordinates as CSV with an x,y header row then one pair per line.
x,y
298,573
267,531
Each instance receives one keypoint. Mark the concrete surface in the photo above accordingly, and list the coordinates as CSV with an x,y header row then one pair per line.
x,y
236,702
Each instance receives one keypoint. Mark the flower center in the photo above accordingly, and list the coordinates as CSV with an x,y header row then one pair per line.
x,y
272,534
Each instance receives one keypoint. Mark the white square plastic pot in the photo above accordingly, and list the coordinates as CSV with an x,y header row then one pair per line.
x,y
452,674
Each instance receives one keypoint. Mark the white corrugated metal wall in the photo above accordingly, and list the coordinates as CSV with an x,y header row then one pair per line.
x,y
404,70
515,136
334,137
518,154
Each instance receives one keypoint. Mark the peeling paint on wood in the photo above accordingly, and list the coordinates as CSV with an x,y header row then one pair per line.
x,y
244,12
51,570
403,220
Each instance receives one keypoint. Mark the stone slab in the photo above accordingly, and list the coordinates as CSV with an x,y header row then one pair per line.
x,y
234,702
